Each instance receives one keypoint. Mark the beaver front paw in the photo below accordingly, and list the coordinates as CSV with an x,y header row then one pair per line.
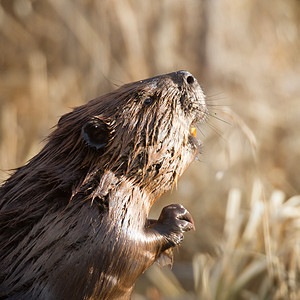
x,y
174,220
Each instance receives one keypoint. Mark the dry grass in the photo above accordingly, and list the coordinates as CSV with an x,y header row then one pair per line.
x,y
56,54
261,254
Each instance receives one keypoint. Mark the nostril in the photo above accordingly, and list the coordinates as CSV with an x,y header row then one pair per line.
x,y
190,79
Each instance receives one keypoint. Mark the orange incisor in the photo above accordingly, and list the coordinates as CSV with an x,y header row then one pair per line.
x,y
193,131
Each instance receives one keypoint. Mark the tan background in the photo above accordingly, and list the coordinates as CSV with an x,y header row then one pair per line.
x,y
57,54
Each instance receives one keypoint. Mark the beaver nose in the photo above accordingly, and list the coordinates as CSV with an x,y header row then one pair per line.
x,y
190,79
187,76
184,76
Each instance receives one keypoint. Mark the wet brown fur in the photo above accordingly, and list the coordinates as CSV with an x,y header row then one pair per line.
x,y
74,219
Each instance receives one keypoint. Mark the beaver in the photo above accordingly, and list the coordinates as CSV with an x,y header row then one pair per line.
x,y
74,219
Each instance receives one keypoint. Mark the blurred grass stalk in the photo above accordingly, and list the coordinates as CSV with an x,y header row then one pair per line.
x,y
260,258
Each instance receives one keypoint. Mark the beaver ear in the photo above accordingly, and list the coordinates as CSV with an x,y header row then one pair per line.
x,y
95,133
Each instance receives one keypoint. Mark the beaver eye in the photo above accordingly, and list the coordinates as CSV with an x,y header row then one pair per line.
x,y
148,101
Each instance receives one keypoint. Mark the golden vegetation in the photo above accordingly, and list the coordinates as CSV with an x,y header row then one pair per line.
x,y
56,54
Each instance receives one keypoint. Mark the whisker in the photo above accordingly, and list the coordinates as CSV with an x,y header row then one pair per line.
x,y
207,99
218,105
216,130
216,96
199,129
219,119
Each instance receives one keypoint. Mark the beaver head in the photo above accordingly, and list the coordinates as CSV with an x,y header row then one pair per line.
x,y
141,131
